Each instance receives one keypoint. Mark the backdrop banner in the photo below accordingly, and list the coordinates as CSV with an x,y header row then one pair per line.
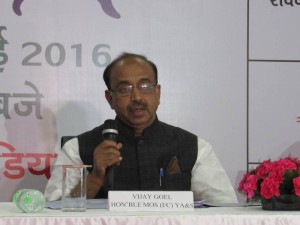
x,y
229,72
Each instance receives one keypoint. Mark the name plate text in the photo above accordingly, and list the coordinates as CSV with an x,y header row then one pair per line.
x,y
150,201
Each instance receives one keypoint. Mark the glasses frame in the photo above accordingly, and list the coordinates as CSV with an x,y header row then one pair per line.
x,y
130,87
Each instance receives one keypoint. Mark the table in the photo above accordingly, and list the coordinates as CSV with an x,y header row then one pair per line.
x,y
253,215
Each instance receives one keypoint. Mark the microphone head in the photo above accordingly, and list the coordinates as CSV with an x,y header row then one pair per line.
x,y
110,124
110,130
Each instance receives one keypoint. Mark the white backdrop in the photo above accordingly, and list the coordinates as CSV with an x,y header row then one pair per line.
x,y
53,52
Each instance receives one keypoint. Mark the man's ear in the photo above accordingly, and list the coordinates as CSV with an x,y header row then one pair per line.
x,y
109,98
158,93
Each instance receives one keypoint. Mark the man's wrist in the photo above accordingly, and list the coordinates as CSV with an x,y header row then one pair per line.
x,y
95,180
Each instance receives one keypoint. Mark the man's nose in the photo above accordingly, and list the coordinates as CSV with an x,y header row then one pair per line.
x,y
135,93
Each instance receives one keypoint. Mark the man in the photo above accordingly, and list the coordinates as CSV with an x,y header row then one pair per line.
x,y
145,146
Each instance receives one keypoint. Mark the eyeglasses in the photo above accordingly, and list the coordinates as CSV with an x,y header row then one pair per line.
x,y
126,89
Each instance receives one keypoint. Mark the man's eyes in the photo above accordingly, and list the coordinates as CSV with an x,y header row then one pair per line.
x,y
125,89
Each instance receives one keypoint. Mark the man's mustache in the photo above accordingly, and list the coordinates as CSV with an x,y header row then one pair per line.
x,y
137,105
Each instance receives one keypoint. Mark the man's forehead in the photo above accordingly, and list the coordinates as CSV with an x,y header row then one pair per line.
x,y
131,60
125,65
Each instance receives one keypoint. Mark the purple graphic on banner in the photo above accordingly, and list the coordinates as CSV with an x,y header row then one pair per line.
x,y
17,7
109,9
106,6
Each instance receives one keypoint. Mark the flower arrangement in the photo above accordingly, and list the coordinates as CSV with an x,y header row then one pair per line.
x,y
272,179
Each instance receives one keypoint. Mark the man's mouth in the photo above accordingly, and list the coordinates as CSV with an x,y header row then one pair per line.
x,y
137,111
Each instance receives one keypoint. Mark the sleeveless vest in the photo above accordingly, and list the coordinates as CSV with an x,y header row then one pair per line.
x,y
144,156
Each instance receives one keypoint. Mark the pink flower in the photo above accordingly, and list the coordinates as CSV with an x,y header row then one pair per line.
x,y
270,188
248,185
263,169
285,164
296,182
296,161
243,180
271,179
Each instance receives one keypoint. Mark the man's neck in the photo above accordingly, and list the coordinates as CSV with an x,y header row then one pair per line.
x,y
138,133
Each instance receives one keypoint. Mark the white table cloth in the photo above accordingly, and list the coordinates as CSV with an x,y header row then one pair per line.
x,y
10,215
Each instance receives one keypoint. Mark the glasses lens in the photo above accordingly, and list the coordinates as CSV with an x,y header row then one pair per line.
x,y
145,87
124,89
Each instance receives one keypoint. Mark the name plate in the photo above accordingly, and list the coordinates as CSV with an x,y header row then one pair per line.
x,y
150,201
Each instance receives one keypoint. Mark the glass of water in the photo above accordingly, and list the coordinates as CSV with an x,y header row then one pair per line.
x,y
74,188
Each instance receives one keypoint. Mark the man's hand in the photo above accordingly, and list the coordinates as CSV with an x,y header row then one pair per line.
x,y
106,154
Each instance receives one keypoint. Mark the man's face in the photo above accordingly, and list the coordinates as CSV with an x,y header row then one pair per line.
x,y
136,108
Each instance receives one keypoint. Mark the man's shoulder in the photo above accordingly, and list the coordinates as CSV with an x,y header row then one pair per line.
x,y
97,131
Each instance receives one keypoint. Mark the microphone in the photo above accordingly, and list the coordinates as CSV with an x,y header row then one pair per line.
x,y
110,132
